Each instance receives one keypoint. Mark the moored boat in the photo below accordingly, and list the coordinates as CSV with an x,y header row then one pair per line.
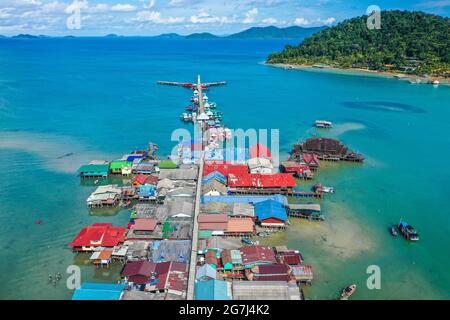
x,y
323,124
348,291
393,230
407,231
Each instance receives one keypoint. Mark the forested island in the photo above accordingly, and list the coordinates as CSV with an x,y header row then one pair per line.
x,y
408,42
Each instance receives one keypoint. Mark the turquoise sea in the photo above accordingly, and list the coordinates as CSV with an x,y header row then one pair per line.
x,y
97,98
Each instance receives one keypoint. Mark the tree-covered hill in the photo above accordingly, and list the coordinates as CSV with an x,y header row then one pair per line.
x,y
412,42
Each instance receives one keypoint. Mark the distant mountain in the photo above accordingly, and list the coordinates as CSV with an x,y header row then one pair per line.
x,y
111,35
204,35
25,36
169,36
273,32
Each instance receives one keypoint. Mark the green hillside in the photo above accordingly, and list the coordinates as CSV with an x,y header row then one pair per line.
x,y
410,42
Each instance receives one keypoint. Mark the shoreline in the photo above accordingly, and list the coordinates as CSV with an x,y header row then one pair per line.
x,y
359,71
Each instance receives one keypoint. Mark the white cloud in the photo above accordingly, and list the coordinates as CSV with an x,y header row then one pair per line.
x,y
270,21
327,21
123,7
150,4
5,13
54,6
250,15
181,3
301,21
155,17
204,17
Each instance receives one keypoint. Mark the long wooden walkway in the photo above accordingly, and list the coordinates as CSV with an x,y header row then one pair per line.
x,y
194,245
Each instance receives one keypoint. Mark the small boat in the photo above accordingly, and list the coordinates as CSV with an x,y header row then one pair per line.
x,y
38,221
323,124
393,230
408,231
348,291
189,108
328,189
263,234
247,241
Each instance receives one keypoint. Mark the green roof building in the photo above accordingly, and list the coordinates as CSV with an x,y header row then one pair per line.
x,y
118,165
94,170
167,164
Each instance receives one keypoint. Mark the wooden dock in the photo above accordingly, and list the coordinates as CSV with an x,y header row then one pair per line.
x,y
305,211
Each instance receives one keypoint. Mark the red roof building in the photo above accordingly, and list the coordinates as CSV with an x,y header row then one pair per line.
x,y
138,272
224,168
144,224
98,235
214,222
171,276
311,160
293,167
244,226
289,257
139,180
142,179
152,180
269,272
260,151
256,255
258,180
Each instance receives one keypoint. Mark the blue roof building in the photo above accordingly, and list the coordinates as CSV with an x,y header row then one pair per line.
x,y
206,272
270,209
146,191
98,291
215,175
245,199
213,290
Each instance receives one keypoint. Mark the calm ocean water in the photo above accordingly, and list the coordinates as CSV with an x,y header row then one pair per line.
x,y
97,98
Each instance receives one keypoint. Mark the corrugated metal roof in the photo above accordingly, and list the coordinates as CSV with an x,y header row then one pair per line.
x,y
212,290
115,165
93,168
98,291
244,199
212,218
270,209
215,175
244,225
258,180
224,169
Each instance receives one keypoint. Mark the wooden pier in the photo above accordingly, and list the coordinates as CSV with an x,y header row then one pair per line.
x,y
305,211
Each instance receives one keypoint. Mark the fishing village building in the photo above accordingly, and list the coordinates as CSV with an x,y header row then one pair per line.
x,y
98,235
197,218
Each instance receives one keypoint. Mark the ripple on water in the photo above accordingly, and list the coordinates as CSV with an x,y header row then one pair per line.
x,y
382,106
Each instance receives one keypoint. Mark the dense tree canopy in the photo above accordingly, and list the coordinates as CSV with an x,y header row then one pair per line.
x,y
413,42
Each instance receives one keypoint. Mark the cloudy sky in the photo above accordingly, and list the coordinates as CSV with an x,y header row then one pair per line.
x,y
150,17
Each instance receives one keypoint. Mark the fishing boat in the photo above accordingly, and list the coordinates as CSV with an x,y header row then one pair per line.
x,y
323,124
247,241
348,291
189,108
393,230
407,231
328,189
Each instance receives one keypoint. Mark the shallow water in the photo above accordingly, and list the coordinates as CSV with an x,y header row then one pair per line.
x,y
97,98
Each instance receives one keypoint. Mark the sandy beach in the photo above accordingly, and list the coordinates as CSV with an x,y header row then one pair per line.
x,y
358,71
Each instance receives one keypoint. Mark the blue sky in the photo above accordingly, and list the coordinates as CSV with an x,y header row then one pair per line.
x,y
151,17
